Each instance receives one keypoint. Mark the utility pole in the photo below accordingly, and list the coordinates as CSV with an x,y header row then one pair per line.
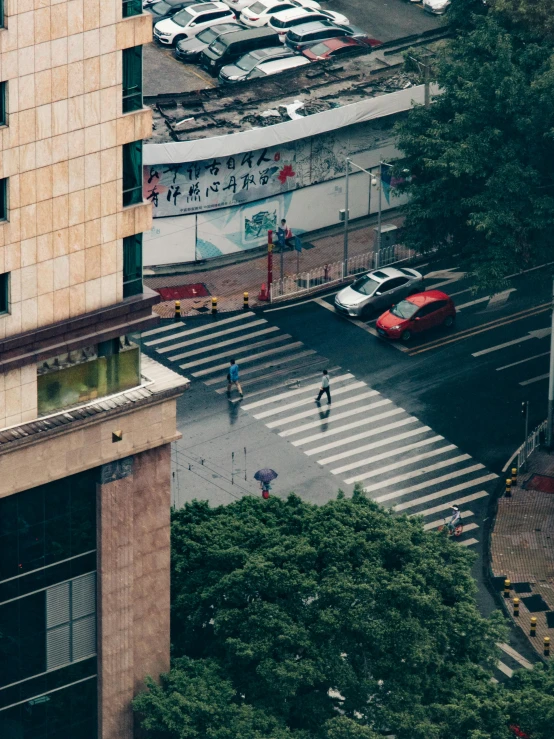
x,y
525,414
550,419
426,75
345,251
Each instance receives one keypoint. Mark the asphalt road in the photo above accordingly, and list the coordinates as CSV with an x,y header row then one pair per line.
x,y
421,426
383,20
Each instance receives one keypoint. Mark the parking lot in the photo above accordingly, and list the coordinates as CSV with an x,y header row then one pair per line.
x,y
382,19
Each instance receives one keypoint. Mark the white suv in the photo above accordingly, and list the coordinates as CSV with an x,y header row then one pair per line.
x,y
190,21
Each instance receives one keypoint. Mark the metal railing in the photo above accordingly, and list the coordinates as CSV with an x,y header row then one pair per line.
x,y
336,272
529,445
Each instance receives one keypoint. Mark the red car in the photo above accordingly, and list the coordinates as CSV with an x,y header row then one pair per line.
x,y
415,314
333,48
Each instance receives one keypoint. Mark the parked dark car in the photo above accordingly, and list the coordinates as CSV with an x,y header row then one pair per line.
x,y
310,33
189,49
334,48
242,67
227,49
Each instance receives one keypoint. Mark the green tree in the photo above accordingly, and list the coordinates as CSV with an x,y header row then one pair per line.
x,y
481,155
529,700
336,621
535,15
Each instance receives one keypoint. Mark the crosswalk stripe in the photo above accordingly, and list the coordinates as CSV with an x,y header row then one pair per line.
x,y
306,401
443,506
395,453
255,345
207,327
234,341
247,360
428,483
467,527
445,491
511,652
274,374
335,417
347,427
292,393
273,363
161,329
316,409
504,668
407,475
440,521
363,435
200,339
375,445
468,542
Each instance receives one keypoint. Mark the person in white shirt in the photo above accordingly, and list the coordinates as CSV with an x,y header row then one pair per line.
x,y
324,388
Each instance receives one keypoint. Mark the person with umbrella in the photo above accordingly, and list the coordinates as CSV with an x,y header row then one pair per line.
x,y
264,477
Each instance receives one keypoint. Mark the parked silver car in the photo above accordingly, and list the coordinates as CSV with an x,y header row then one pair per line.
x,y
376,291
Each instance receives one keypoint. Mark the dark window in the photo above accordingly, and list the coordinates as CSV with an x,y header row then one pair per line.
x,y
430,308
4,197
131,7
132,265
132,79
71,621
2,13
3,100
132,173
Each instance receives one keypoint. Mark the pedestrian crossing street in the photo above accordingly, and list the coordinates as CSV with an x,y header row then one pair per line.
x,y
362,437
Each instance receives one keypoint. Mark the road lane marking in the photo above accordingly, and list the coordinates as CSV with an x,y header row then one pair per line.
x,y
440,521
292,393
374,445
387,455
306,401
250,358
347,427
208,337
407,475
335,417
444,506
540,333
535,379
497,299
396,452
364,435
205,327
469,542
234,341
446,491
504,668
521,361
468,333
160,329
317,410
255,345
511,652
273,363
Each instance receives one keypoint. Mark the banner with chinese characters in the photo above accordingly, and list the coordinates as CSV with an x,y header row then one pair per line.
x,y
180,189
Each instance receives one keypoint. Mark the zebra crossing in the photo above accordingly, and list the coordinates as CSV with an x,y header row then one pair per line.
x,y
363,437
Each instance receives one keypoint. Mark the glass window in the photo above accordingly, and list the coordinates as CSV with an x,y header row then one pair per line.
x,y
131,7
81,376
132,79
258,8
132,265
71,621
132,173
365,285
404,309
4,197
3,100
1,13
183,18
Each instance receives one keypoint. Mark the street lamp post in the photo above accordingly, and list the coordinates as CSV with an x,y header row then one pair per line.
x,y
550,417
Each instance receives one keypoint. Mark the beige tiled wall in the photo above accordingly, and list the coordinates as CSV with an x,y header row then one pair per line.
x,y
18,396
62,154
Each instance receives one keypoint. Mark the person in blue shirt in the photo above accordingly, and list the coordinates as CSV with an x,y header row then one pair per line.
x,y
233,377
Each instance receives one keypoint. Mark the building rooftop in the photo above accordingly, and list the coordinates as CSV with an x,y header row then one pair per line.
x,y
300,92
157,381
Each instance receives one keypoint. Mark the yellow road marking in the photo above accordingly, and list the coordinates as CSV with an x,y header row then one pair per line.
x,y
468,333
208,80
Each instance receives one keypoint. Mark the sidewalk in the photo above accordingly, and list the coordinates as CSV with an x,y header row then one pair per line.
x,y
522,547
228,283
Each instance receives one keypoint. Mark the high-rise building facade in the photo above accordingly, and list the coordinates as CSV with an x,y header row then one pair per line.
x,y
86,421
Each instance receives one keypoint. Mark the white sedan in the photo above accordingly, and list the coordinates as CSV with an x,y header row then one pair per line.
x,y
261,11
286,19
190,21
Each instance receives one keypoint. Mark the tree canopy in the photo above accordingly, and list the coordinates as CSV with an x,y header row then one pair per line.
x,y
296,621
481,155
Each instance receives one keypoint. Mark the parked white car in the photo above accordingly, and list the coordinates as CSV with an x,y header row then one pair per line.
x,y
437,7
261,11
285,19
190,21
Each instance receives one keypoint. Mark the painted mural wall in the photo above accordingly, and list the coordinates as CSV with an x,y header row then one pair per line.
x,y
208,208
